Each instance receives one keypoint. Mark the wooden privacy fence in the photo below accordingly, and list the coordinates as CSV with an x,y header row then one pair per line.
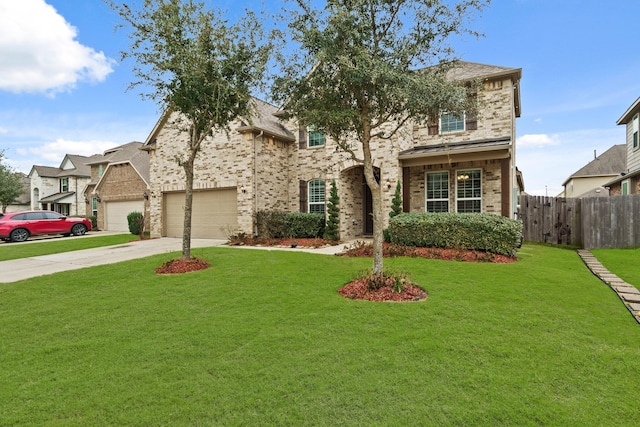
x,y
591,222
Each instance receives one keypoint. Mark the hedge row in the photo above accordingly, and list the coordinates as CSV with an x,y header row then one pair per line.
x,y
276,224
482,232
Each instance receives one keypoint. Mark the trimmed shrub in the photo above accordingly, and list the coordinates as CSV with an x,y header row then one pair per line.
x,y
482,232
332,228
305,225
94,221
278,224
271,224
136,223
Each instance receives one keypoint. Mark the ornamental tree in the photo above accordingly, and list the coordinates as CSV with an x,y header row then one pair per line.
x,y
191,61
10,185
365,69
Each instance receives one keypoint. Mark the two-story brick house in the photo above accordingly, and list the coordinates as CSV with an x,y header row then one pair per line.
x,y
61,189
463,164
628,182
119,185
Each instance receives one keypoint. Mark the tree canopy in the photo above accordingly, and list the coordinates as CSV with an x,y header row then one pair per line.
x,y
10,185
366,68
190,60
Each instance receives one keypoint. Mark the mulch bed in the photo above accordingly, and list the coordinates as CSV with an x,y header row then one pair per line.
x,y
283,243
181,265
359,289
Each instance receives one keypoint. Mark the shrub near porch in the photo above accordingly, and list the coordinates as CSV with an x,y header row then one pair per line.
x,y
482,232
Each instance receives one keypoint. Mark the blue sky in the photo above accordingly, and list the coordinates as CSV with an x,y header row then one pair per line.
x,y
63,90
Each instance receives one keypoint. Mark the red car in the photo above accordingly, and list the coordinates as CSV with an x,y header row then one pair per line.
x,y
19,226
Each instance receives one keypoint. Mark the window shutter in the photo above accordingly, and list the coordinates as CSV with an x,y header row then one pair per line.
x,y
303,196
471,118
302,137
432,125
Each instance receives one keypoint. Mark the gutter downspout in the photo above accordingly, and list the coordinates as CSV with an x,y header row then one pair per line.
x,y
255,177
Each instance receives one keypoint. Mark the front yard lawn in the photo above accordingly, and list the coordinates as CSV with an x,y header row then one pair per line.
x,y
264,338
58,245
621,262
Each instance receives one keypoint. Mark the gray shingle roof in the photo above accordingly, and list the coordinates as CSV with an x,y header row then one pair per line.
x,y
611,162
127,153
264,119
474,70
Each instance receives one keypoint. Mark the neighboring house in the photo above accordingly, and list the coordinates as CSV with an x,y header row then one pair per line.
x,y
118,186
23,202
454,163
589,181
60,189
628,182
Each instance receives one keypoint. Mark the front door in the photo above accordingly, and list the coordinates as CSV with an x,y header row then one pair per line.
x,y
367,203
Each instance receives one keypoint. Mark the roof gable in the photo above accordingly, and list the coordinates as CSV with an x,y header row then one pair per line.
x,y
611,162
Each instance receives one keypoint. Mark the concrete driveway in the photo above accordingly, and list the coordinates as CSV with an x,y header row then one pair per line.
x,y
26,268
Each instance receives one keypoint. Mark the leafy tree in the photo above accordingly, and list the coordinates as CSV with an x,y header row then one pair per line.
x,y
193,62
332,229
356,74
396,202
10,185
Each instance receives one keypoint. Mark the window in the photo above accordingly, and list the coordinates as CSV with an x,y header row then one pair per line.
x,y
94,206
64,185
316,196
469,191
316,137
450,122
634,130
437,192
100,171
625,187
63,209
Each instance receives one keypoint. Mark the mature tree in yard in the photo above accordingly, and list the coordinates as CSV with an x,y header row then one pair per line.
x,y
367,68
193,62
10,185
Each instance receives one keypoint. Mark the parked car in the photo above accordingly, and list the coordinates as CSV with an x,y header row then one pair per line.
x,y
19,226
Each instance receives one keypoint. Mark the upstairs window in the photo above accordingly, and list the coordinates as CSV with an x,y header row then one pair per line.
x,y
450,122
634,130
64,185
100,171
316,196
316,137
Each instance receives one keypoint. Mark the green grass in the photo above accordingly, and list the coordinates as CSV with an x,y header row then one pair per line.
x,y
621,262
263,338
63,244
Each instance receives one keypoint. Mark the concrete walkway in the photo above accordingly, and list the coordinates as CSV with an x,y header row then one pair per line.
x,y
26,268
628,294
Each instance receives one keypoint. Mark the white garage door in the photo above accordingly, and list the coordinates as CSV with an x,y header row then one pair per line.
x,y
214,213
116,214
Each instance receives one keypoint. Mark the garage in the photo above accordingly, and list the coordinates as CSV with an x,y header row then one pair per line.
x,y
115,218
214,213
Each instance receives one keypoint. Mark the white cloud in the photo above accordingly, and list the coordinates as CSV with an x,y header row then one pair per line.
x,y
52,153
3,130
39,53
536,140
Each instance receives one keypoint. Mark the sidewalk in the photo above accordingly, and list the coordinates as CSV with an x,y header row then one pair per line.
x,y
26,268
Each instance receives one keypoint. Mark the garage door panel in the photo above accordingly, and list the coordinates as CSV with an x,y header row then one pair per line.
x,y
213,213
116,214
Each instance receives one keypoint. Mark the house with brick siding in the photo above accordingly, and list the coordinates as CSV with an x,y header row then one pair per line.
x,y
61,189
119,185
628,182
452,163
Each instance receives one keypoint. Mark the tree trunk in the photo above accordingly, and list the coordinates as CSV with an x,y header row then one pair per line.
x,y
376,195
188,204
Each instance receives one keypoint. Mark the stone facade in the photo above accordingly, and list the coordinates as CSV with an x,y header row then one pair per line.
x,y
269,165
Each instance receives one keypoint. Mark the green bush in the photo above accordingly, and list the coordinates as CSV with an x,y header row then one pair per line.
x,y
271,224
332,228
277,224
482,232
305,225
94,221
136,223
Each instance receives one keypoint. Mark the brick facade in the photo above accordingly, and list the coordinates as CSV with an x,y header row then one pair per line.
x,y
267,169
